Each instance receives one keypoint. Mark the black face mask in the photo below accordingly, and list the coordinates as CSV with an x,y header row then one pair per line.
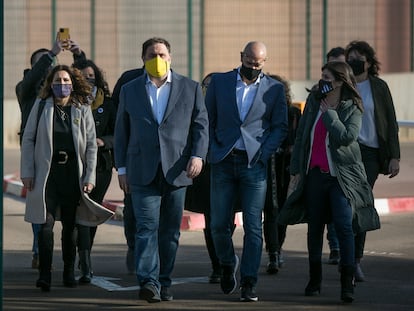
x,y
357,66
325,87
91,81
249,73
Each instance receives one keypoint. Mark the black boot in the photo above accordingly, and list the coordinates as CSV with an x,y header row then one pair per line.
x,y
273,265
347,284
217,271
85,265
69,255
69,275
45,258
314,285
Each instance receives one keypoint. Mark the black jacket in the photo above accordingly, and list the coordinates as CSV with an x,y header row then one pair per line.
x,y
105,116
125,77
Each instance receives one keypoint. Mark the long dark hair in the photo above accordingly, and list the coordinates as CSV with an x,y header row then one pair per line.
x,y
100,81
81,90
343,72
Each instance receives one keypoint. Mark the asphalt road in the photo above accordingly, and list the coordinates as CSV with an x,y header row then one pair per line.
x,y
388,265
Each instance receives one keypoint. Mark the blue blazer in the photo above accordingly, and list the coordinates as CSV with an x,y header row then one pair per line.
x,y
265,126
141,145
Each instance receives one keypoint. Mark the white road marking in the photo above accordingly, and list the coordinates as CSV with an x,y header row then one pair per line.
x,y
107,284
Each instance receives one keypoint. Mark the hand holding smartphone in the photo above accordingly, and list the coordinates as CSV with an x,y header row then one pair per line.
x,y
64,37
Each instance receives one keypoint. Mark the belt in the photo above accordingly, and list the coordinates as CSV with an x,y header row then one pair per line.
x,y
238,152
62,157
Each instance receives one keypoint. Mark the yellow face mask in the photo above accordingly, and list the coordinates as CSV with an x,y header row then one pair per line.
x,y
157,67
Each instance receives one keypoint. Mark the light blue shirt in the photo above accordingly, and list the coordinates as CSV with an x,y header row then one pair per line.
x,y
158,96
368,133
245,95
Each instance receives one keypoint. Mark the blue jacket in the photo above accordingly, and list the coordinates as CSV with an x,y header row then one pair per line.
x,y
141,144
264,128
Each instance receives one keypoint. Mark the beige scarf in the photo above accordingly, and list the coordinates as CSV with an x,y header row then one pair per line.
x,y
99,99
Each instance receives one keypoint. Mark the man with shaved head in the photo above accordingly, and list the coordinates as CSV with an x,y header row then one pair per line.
x,y
248,123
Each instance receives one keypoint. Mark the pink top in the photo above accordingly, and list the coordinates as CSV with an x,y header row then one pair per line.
x,y
318,155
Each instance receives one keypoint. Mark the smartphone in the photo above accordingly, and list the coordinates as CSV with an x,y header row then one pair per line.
x,y
64,34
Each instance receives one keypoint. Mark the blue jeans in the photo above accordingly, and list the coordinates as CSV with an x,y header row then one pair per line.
x,y
331,236
230,178
158,209
35,246
325,200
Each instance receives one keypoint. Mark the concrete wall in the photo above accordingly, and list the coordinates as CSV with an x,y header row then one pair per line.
x,y
401,86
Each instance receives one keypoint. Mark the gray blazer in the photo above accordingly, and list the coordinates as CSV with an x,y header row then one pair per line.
x,y
141,145
36,159
264,128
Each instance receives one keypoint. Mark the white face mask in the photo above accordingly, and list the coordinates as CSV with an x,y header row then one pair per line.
x,y
94,90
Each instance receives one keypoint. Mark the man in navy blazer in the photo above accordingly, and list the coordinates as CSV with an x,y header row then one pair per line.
x,y
161,140
248,122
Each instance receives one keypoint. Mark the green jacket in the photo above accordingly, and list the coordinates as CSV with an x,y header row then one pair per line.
x,y
343,127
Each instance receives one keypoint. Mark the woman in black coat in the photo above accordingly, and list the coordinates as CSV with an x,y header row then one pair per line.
x,y
104,114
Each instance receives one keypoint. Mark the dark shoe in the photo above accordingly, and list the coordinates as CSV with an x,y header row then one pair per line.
x,y
69,278
130,261
44,281
85,266
44,285
215,277
333,257
359,275
228,280
149,292
347,284
314,285
313,288
166,294
248,293
85,279
273,265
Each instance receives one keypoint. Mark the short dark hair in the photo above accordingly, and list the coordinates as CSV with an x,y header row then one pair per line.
x,y
42,50
153,41
335,52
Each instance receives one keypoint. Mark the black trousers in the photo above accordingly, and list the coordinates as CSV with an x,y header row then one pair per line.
x,y
277,185
62,199
370,158
86,235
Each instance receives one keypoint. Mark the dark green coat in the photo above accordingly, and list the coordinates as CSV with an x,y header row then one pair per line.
x,y
385,123
343,127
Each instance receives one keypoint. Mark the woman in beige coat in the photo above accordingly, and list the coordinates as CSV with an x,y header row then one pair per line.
x,y
58,164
